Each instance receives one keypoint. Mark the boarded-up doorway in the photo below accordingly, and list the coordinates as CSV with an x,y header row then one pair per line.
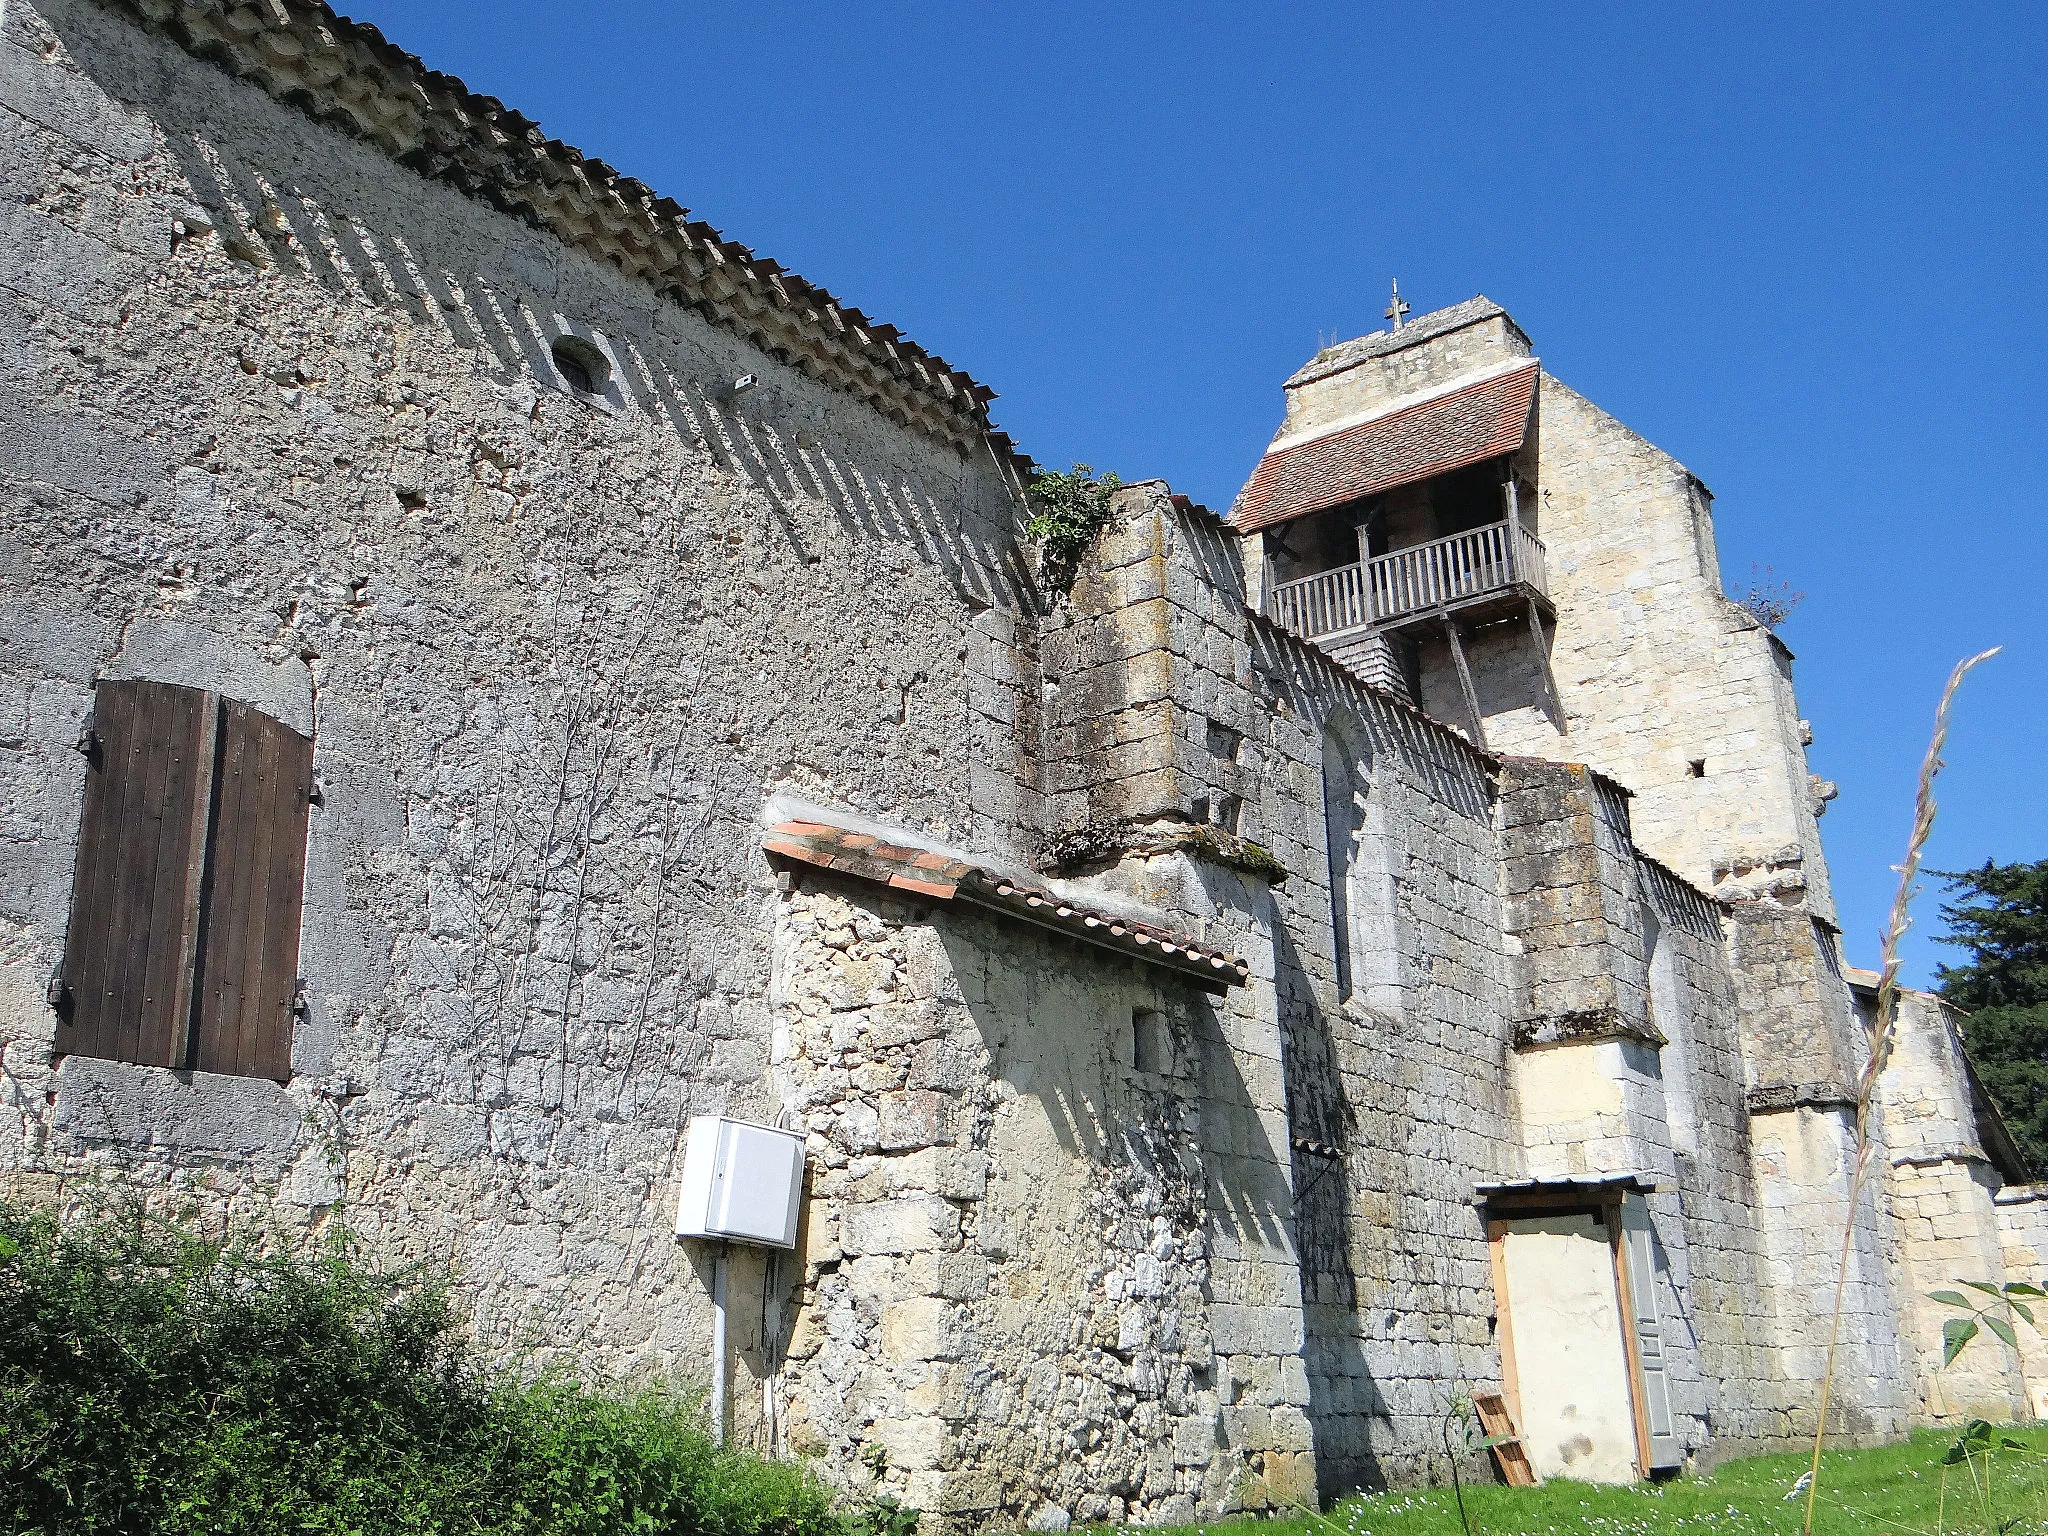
x,y
1582,1354
1577,1415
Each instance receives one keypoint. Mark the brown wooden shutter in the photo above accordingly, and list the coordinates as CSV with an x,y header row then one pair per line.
x,y
128,953
255,885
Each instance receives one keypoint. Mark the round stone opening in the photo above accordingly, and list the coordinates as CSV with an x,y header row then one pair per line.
x,y
583,367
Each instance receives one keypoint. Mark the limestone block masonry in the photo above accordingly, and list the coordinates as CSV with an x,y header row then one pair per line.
x,y
1167,1186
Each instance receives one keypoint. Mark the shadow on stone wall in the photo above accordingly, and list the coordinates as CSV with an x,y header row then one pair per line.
x,y
1344,1400
501,297
1127,1209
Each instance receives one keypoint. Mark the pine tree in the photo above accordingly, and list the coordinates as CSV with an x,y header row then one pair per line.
x,y
2000,917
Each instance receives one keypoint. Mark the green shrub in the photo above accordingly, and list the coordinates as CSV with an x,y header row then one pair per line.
x,y
1067,512
151,1381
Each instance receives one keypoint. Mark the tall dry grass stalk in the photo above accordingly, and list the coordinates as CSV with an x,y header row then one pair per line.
x,y
1883,1032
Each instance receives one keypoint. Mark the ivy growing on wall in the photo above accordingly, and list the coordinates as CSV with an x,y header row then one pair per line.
x,y
1067,512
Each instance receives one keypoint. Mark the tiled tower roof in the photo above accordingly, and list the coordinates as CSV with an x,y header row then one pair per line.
x,y
1460,426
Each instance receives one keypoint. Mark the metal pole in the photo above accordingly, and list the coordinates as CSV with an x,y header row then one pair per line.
x,y
718,1347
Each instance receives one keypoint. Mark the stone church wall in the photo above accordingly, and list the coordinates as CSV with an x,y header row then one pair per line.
x,y
1942,1189
1656,670
1399,1095
1627,1059
1803,1053
1395,1095
1738,1397
1402,1081
1046,1262
279,415
2023,1233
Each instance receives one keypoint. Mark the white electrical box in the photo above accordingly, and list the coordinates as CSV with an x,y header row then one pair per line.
x,y
741,1182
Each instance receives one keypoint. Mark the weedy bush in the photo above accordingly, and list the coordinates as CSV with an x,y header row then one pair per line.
x,y
1769,602
152,1381
1067,512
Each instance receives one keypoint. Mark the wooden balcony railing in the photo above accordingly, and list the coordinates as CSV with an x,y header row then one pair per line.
x,y
1443,573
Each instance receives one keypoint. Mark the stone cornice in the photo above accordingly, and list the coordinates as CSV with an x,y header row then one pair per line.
x,y
1104,843
1586,1027
1775,1098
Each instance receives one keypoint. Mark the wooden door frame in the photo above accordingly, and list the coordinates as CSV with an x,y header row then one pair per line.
x,y
1624,1294
1504,1330
1607,1207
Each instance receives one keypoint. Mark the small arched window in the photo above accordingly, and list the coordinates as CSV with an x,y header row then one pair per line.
x,y
583,366
1668,1017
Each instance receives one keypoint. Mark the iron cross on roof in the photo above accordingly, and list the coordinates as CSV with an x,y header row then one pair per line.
x,y
1398,308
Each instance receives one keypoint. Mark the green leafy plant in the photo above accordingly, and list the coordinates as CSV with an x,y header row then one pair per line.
x,y
1976,1448
1067,512
152,1379
2007,1302
883,1514
1462,1415
1976,1441
886,1515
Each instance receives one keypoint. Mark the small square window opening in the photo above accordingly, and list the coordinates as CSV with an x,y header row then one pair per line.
x,y
1151,1042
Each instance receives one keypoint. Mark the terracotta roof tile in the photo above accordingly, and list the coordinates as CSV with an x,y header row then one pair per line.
x,y
945,878
1482,420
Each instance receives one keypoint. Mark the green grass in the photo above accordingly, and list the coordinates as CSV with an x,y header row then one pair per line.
x,y
1889,1491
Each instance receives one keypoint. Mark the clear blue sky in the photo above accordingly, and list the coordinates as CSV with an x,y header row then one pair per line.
x,y
1800,247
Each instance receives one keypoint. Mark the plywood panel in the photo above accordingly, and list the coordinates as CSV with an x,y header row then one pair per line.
x,y
1577,1413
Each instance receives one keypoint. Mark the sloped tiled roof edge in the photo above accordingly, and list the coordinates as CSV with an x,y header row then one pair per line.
x,y
1446,430
348,75
940,876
